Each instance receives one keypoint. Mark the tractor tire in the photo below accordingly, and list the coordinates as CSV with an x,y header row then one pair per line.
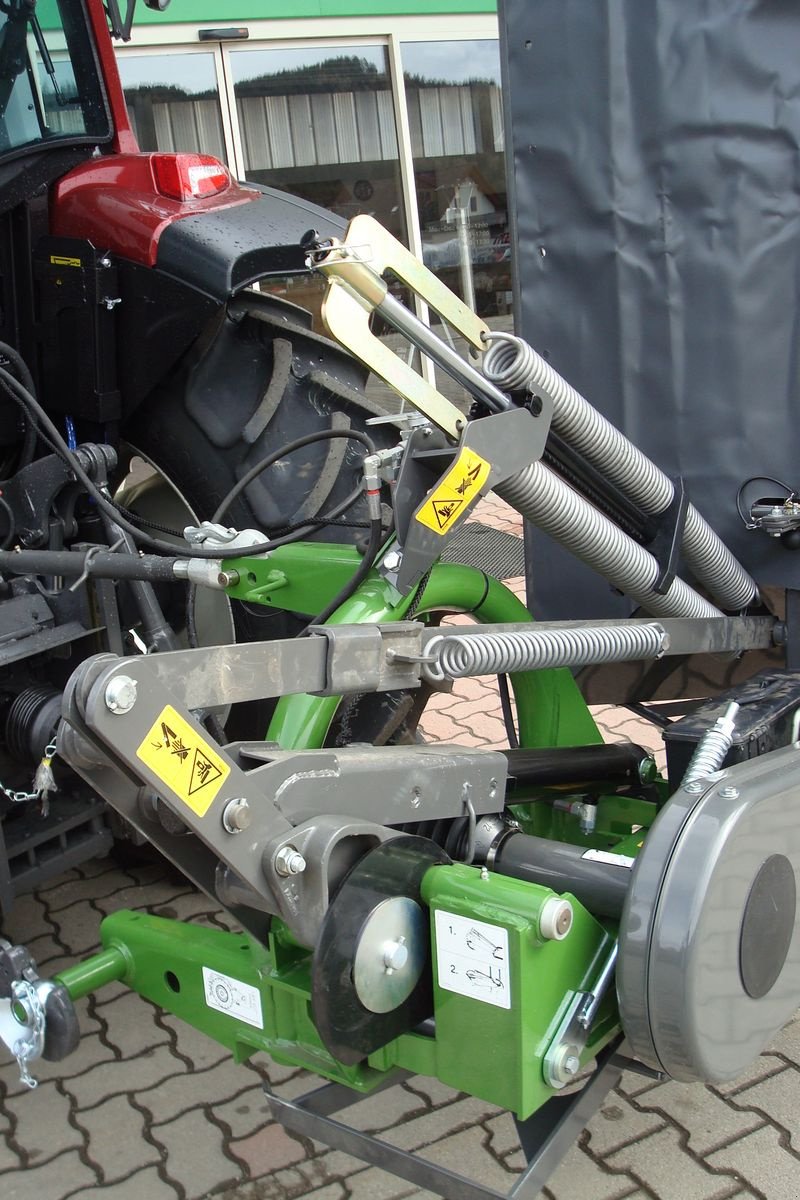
x,y
260,382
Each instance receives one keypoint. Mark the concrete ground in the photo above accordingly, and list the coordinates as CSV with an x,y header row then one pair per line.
x,y
149,1109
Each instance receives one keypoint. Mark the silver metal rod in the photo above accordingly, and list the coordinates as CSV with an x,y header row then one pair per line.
x,y
428,343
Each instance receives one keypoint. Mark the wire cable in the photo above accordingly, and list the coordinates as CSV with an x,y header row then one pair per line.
x,y
28,402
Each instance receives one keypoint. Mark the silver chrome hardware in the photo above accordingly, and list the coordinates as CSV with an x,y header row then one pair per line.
x,y
120,694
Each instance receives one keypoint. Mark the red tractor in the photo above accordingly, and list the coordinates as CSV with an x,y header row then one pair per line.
x,y
132,338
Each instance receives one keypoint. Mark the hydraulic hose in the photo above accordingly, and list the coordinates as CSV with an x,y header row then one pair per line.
x,y
513,365
540,496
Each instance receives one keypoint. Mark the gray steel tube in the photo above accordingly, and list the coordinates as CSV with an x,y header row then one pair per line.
x,y
511,363
428,343
600,886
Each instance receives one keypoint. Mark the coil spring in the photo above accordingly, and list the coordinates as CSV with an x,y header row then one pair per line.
x,y
513,365
556,508
462,655
712,747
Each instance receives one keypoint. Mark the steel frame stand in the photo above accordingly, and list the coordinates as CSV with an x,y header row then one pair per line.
x,y
545,1137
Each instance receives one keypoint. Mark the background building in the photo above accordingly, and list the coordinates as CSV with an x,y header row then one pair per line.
x,y
389,107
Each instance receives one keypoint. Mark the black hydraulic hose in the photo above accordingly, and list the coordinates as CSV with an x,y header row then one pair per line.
x,y
364,567
322,435
26,379
98,562
27,401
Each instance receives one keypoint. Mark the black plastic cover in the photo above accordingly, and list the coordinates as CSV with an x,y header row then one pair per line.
x,y
221,251
653,154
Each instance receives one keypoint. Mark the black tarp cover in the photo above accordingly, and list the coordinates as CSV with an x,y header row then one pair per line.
x,y
653,156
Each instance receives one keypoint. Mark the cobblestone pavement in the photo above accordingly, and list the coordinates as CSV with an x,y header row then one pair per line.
x,y
149,1109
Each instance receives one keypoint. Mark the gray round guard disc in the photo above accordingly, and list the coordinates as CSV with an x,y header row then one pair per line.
x,y
709,958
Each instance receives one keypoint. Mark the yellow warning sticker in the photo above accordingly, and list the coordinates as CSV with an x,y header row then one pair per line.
x,y
179,756
452,496
60,260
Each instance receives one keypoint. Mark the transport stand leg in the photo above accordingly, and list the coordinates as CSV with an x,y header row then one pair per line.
x,y
545,1137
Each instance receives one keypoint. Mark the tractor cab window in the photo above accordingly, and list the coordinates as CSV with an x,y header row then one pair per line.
x,y
50,90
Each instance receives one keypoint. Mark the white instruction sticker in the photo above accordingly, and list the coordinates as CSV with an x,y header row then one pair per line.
x,y
233,997
473,959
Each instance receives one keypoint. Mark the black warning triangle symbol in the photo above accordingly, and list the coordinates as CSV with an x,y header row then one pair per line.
x,y
444,510
203,772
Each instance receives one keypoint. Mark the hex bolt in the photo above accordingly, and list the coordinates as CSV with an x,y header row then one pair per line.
x,y
289,861
694,787
566,1064
555,919
392,560
395,955
120,695
729,793
236,815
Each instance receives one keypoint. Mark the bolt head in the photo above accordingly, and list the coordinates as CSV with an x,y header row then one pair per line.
x,y
729,793
120,694
572,1064
694,788
289,861
392,560
236,815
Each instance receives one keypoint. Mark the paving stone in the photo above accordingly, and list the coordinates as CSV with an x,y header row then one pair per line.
x,y
246,1114
580,1178
42,1129
267,1150
78,926
202,1050
152,1068
195,1156
787,1042
436,1091
143,1185
661,1162
374,1184
178,1090
778,1098
707,1118
761,1161
28,920
59,1177
619,1122
389,1108
189,906
130,1025
437,1124
139,896
503,1140
70,891
466,1154
90,1052
116,1139
764,1066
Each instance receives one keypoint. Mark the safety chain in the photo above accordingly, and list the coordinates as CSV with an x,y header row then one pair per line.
x,y
29,1045
43,780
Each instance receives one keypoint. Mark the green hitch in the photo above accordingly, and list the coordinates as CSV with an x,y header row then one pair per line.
x,y
107,966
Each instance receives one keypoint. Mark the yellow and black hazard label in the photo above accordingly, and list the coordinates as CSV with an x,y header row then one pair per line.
x,y
179,756
61,260
454,493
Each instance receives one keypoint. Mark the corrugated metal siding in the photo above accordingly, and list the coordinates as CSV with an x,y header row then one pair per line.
x,y
343,127
191,125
